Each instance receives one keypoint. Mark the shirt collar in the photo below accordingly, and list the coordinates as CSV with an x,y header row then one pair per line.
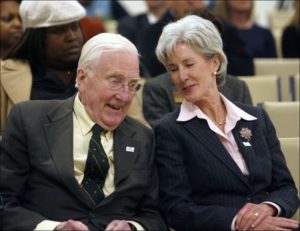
x,y
84,121
82,117
189,110
152,19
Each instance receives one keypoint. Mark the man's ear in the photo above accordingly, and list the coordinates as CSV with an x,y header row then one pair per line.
x,y
81,75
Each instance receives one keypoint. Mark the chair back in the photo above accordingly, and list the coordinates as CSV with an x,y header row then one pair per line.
x,y
263,88
136,108
285,117
284,68
280,18
294,87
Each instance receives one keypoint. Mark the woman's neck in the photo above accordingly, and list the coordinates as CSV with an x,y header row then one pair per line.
x,y
240,19
215,109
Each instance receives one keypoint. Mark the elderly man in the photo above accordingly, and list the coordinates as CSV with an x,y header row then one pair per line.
x,y
81,163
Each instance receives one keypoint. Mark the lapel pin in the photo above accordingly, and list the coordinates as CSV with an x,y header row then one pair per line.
x,y
129,149
246,134
246,144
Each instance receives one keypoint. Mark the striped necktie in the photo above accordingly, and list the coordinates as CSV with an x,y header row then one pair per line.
x,y
96,168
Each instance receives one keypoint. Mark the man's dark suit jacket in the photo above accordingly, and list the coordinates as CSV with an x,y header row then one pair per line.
x,y
201,186
37,171
131,26
158,97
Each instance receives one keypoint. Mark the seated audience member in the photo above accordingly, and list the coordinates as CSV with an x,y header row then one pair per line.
x,y
291,36
240,61
10,25
259,41
81,163
42,65
160,95
220,163
148,38
132,27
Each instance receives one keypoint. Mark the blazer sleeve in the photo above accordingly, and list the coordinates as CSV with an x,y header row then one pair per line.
x,y
148,212
246,97
15,169
283,191
156,101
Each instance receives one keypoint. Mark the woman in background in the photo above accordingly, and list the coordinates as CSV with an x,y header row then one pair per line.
x,y
220,164
240,13
42,65
10,25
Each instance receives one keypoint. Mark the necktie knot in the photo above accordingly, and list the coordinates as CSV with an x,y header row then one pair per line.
x,y
96,129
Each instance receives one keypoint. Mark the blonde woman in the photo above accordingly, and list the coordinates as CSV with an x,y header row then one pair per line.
x,y
240,13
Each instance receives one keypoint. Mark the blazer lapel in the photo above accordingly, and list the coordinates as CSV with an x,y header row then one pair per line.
x,y
125,152
59,134
200,129
244,145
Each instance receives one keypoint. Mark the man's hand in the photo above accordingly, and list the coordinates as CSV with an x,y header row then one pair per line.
x,y
71,225
118,225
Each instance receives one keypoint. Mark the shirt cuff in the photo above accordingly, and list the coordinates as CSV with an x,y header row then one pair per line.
x,y
233,224
138,226
274,205
46,225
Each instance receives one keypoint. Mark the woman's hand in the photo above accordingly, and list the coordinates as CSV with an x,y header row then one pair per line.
x,y
277,223
251,215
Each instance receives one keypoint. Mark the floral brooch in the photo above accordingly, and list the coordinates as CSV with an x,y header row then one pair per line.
x,y
246,133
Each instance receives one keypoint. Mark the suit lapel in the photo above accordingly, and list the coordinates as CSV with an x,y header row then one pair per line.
x,y
125,152
208,138
59,134
246,151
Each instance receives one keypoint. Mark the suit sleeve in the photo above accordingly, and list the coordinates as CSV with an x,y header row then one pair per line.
x,y
148,211
15,169
283,191
247,99
156,102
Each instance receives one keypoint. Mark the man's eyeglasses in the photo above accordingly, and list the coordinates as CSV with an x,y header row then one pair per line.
x,y
116,83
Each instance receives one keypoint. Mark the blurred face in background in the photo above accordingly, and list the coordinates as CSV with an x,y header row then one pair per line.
x,y
240,5
156,4
11,25
180,7
63,44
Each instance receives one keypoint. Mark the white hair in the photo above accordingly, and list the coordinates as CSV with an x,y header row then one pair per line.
x,y
196,32
104,42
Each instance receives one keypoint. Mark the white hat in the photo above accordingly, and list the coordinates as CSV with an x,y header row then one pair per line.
x,y
37,14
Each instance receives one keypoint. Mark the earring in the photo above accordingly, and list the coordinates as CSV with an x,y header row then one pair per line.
x,y
215,73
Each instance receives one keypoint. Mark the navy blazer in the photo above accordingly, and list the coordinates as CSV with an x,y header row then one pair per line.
x,y
37,171
201,186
